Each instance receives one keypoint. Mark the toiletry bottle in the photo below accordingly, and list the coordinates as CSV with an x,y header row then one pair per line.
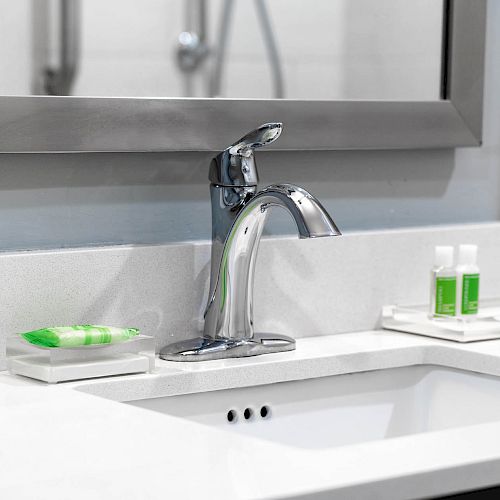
x,y
467,282
443,283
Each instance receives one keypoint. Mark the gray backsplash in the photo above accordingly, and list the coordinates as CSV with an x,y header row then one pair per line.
x,y
303,287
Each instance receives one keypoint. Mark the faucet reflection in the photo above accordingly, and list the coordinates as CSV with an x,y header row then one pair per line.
x,y
238,217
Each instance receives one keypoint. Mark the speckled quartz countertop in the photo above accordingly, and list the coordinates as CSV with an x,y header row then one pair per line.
x,y
63,442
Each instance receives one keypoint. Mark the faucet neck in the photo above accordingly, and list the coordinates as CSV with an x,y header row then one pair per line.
x,y
233,182
229,312
227,203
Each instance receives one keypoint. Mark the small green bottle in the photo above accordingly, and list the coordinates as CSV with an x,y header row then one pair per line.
x,y
467,282
443,283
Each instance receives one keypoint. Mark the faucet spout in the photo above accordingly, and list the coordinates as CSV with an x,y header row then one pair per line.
x,y
312,220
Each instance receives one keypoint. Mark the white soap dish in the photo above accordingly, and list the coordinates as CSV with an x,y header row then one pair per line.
x,y
52,365
416,320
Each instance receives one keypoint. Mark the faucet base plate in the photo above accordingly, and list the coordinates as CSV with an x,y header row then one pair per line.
x,y
206,348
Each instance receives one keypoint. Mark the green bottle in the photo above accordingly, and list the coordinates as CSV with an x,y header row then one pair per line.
x,y
467,282
443,283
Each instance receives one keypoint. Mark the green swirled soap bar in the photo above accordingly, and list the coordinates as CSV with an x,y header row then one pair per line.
x,y
78,335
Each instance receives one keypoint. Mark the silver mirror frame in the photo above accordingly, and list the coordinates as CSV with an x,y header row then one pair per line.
x,y
45,124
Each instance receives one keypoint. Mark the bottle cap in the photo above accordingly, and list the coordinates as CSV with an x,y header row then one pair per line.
x,y
467,255
443,256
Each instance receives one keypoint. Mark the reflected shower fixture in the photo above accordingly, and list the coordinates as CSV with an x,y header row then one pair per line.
x,y
269,42
192,47
57,36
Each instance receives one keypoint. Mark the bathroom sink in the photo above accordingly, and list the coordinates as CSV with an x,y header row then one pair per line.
x,y
344,409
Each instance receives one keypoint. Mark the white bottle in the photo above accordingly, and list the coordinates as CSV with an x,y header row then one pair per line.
x,y
467,282
443,283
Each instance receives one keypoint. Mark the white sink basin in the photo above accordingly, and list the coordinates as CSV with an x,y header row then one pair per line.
x,y
345,409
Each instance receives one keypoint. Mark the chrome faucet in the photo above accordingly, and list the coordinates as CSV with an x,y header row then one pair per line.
x,y
238,217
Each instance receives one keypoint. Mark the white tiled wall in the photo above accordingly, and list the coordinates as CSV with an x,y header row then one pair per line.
x,y
15,47
340,49
330,49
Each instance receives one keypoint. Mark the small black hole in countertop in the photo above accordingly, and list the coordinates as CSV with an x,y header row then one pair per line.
x,y
265,411
232,416
248,413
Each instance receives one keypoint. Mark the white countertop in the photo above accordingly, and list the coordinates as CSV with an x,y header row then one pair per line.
x,y
59,443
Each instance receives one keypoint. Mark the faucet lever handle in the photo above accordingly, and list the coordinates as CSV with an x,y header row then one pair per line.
x,y
235,166
261,136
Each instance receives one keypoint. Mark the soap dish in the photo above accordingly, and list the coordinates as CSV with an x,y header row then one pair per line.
x,y
416,320
52,365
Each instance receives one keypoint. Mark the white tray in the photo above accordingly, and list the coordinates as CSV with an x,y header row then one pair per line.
x,y
416,320
41,369
52,365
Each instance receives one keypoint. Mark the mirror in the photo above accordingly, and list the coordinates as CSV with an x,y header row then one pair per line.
x,y
322,49
183,75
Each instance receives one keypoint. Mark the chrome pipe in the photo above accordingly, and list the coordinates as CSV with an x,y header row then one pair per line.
x,y
272,49
221,48
59,77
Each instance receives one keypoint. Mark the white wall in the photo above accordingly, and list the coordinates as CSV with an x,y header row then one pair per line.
x,y
339,49
128,48
15,47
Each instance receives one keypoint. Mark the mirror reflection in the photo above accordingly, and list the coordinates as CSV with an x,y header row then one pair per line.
x,y
319,49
